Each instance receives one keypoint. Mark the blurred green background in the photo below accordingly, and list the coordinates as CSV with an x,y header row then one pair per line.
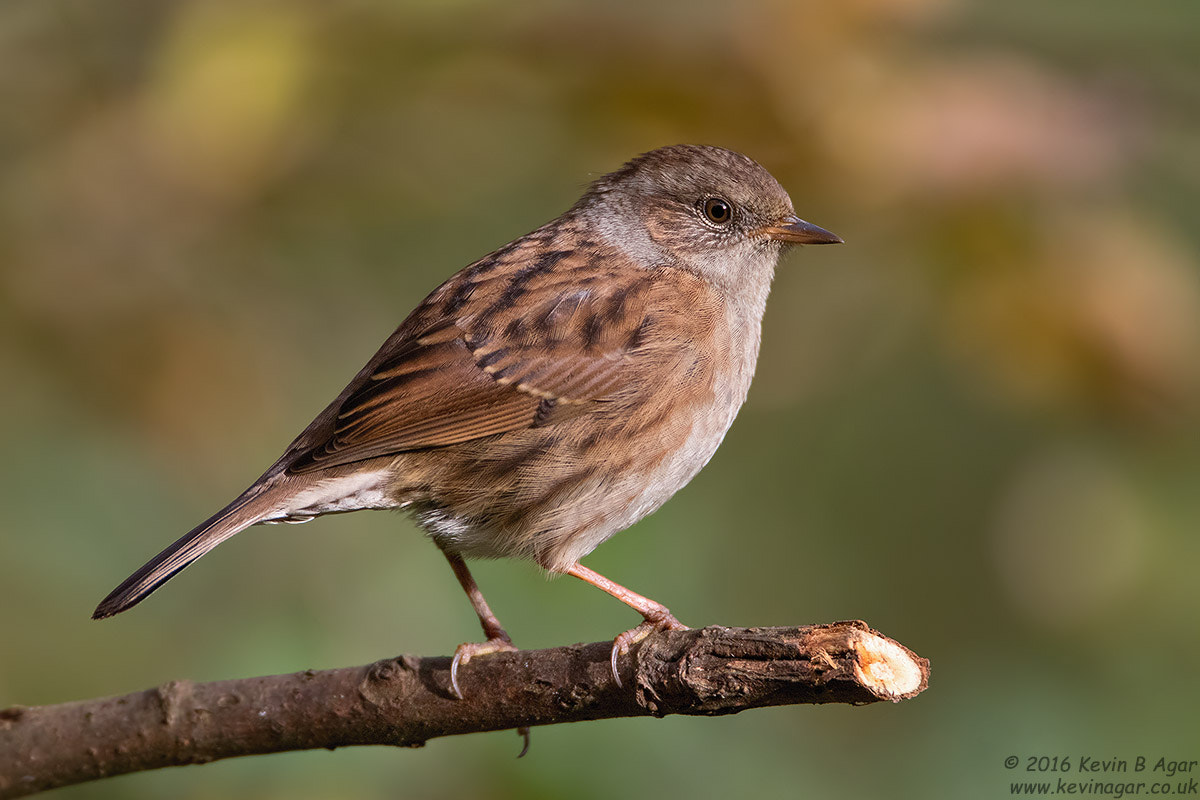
x,y
974,425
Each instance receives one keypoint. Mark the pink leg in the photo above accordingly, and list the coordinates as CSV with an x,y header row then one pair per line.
x,y
497,638
658,617
491,625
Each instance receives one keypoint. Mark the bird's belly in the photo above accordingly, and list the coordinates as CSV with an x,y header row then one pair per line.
x,y
561,505
640,493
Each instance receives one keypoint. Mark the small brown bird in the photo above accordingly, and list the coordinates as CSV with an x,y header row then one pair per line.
x,y
552,393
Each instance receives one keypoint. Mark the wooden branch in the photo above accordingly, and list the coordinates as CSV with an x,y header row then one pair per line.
x,y
406,701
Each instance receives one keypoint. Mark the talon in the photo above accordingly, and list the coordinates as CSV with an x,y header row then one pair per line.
x,y
524,734
616,651
621,644
454,663
464,652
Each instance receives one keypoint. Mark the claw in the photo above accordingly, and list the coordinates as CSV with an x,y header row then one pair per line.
x,y
466,651
524,734
624,641
616,651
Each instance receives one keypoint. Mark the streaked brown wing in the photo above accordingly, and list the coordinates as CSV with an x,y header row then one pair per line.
x,y
490,371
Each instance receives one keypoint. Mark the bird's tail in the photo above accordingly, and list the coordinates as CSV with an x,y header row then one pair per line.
x,y
249,509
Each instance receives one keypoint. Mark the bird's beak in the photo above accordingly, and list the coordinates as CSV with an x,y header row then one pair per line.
x,y
793,230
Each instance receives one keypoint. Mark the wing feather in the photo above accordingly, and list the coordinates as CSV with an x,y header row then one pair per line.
x,y
474,369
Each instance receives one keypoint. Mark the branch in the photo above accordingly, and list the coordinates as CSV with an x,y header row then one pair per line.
x,y
406,701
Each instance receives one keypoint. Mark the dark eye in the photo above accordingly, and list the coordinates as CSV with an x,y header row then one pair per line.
x,y
717,210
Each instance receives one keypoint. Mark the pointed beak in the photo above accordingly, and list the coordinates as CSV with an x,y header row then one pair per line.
x,y
793,230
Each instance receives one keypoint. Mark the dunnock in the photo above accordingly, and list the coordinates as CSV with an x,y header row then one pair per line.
x,y
552,393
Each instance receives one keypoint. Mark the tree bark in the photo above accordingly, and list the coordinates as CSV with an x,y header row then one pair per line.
x,y
406,701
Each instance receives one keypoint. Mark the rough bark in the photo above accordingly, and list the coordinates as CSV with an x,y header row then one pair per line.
x,y
406,701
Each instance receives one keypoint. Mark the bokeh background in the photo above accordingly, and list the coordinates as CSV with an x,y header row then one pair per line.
x,y
974,425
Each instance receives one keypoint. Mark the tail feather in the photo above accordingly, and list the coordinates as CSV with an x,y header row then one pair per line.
x,y
234,518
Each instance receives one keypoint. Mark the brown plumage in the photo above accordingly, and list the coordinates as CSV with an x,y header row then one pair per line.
x,y
552,393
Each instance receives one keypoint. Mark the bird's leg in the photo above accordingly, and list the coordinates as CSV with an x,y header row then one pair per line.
x,y
497,638
658,617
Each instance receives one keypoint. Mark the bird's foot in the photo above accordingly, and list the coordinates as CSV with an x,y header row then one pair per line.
x,y
468,650
659,621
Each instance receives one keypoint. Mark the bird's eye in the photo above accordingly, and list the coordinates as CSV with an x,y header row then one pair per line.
x,y
717,210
